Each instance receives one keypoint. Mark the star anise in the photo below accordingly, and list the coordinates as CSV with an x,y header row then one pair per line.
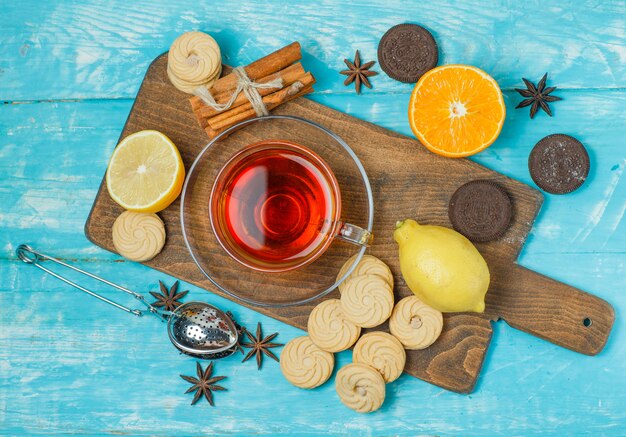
x,y
168,298
204,384
358,73
537,96
259,346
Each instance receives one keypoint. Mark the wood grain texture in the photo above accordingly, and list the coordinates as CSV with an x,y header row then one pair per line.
x,y
101,50
390,160
58,152
123,379
549,309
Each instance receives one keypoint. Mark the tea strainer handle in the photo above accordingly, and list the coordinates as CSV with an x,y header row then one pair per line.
x,y
355,234
31,256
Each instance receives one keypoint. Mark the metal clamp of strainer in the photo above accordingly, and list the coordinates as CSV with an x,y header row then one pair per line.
x,y
194,328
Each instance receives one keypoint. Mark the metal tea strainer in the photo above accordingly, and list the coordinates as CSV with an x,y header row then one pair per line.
x,y
195,328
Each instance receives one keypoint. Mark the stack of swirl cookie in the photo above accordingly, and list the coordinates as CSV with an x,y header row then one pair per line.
x,y
194,60
366,301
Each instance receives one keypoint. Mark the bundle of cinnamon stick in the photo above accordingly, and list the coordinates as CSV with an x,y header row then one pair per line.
x,y
283,63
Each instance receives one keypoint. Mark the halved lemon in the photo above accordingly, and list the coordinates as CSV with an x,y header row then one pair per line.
x,y
456,110
146,172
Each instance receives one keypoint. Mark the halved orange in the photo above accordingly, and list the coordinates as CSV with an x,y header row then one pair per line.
x,y
456,110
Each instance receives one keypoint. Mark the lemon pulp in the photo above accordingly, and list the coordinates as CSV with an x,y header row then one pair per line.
x,y
146,172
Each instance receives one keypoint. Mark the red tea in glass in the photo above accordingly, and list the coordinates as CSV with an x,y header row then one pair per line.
x,y
275,206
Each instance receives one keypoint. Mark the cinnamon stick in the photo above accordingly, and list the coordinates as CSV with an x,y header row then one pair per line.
x,y
227,118
305,81
296,82
284,97
289,75
265,66
292,70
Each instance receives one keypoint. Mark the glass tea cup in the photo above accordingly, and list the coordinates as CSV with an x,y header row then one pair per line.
x,y
276,206
349,196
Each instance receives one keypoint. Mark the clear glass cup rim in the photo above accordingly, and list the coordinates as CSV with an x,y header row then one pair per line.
x,y
259,146
339,141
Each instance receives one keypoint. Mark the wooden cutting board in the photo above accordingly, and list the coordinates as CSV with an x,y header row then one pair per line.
x,y
408,182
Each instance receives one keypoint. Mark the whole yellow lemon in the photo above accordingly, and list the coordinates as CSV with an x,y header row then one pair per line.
x,y
442,267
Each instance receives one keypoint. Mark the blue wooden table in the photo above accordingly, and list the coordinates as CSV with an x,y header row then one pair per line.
x,y
69,71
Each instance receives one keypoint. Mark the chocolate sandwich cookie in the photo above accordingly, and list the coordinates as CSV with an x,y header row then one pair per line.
x,y
406,52
559,164
481,210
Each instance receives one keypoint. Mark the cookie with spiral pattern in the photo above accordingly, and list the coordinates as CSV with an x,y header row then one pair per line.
x,y
367,300
368,265
383,352
190,88
138,236
415,324
194,60
481,210
330,329
406,52
360,387
304,364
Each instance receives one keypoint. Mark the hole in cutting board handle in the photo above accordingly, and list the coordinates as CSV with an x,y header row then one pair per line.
x,y
587,322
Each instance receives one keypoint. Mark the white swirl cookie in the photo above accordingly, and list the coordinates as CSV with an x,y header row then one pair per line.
x,y
369,265
304,364
138,236
360,387
367,300
383,352
190,88
194,59
415,324
329,328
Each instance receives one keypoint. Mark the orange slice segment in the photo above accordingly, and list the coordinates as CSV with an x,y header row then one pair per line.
x,y
456,110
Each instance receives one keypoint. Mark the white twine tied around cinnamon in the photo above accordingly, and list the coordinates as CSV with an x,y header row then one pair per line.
x,y
245,85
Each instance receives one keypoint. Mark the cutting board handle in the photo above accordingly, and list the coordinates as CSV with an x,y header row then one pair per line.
x,y
551,310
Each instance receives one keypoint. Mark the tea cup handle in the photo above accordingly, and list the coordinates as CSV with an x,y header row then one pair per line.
x,y
355,235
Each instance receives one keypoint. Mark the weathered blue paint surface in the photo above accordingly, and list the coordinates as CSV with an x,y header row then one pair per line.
x,y
68,73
